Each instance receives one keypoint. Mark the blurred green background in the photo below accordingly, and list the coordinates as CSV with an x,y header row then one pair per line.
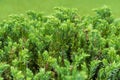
x,y
85,7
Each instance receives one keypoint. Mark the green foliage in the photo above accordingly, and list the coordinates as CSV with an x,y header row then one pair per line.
x,y
63,46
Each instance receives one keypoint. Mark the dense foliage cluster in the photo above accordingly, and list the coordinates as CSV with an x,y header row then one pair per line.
x,y
61,46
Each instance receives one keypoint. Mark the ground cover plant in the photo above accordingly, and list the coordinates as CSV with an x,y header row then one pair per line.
x,y
61,46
